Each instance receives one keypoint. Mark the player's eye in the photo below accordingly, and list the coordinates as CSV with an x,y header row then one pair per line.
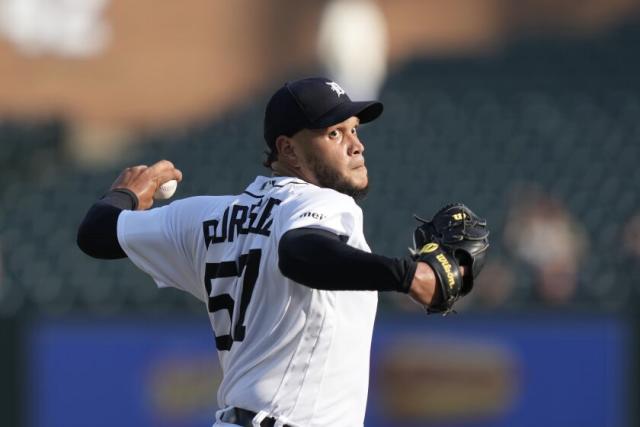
x,y
334,134
354,130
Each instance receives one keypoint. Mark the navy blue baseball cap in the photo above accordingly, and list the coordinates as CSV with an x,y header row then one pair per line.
x,y
312,103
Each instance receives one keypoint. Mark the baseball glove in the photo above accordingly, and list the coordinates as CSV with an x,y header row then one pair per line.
x,y
454,237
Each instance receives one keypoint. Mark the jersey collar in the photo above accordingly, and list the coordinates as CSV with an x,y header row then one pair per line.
x,y
262,183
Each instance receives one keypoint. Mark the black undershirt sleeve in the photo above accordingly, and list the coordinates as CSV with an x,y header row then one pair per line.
x,y
98,232
319,259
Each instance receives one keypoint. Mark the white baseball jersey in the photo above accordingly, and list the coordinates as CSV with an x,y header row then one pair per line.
x,y
287,351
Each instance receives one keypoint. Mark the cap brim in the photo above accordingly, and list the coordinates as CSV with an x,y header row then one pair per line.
x,y
366,111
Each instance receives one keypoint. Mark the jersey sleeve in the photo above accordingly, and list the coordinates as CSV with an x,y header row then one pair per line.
x,y
163,242
326,210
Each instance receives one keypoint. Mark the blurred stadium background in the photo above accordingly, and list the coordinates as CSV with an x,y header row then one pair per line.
x,y
526,110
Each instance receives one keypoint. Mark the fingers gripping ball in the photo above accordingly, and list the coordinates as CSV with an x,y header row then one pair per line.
x,y
460,234
166,190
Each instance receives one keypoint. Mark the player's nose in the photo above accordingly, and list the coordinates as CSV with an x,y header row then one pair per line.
x,y
356,146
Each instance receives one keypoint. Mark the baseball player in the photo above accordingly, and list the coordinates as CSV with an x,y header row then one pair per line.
x,y
283,268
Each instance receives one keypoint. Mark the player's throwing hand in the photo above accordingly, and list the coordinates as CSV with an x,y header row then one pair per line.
x,y
144,180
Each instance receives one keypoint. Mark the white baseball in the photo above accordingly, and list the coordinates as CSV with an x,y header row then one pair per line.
x,y
166,190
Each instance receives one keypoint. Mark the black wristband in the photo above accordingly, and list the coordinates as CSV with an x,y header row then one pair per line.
x,y
122,198
410,267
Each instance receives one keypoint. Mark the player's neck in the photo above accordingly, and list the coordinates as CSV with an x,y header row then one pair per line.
x,y
282,169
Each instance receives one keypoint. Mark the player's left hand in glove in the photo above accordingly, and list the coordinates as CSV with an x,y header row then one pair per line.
x,y
454,237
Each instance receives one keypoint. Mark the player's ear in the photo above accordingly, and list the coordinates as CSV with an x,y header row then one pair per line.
x,y
286,151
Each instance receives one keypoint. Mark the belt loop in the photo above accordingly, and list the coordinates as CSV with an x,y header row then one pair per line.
x,y
260,416
220,413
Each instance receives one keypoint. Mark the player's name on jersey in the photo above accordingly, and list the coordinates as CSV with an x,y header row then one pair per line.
x,y
240,219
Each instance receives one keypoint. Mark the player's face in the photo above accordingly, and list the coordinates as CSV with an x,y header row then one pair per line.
x,y
333,158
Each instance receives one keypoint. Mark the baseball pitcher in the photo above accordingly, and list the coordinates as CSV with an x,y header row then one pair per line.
x,y
283,268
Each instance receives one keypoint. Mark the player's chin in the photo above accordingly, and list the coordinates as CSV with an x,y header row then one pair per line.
x,y
359,178
358,170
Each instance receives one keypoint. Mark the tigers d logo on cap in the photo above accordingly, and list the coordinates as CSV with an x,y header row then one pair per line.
x,y
336,88
307,104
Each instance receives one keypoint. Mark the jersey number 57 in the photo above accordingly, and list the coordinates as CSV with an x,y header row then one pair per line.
x,y
248,264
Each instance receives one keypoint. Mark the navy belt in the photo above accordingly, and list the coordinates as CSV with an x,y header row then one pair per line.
x,y
244,418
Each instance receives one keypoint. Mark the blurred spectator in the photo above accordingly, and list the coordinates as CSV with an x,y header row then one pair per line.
x,y
631,236
542,233
352,46
629,261
495,286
